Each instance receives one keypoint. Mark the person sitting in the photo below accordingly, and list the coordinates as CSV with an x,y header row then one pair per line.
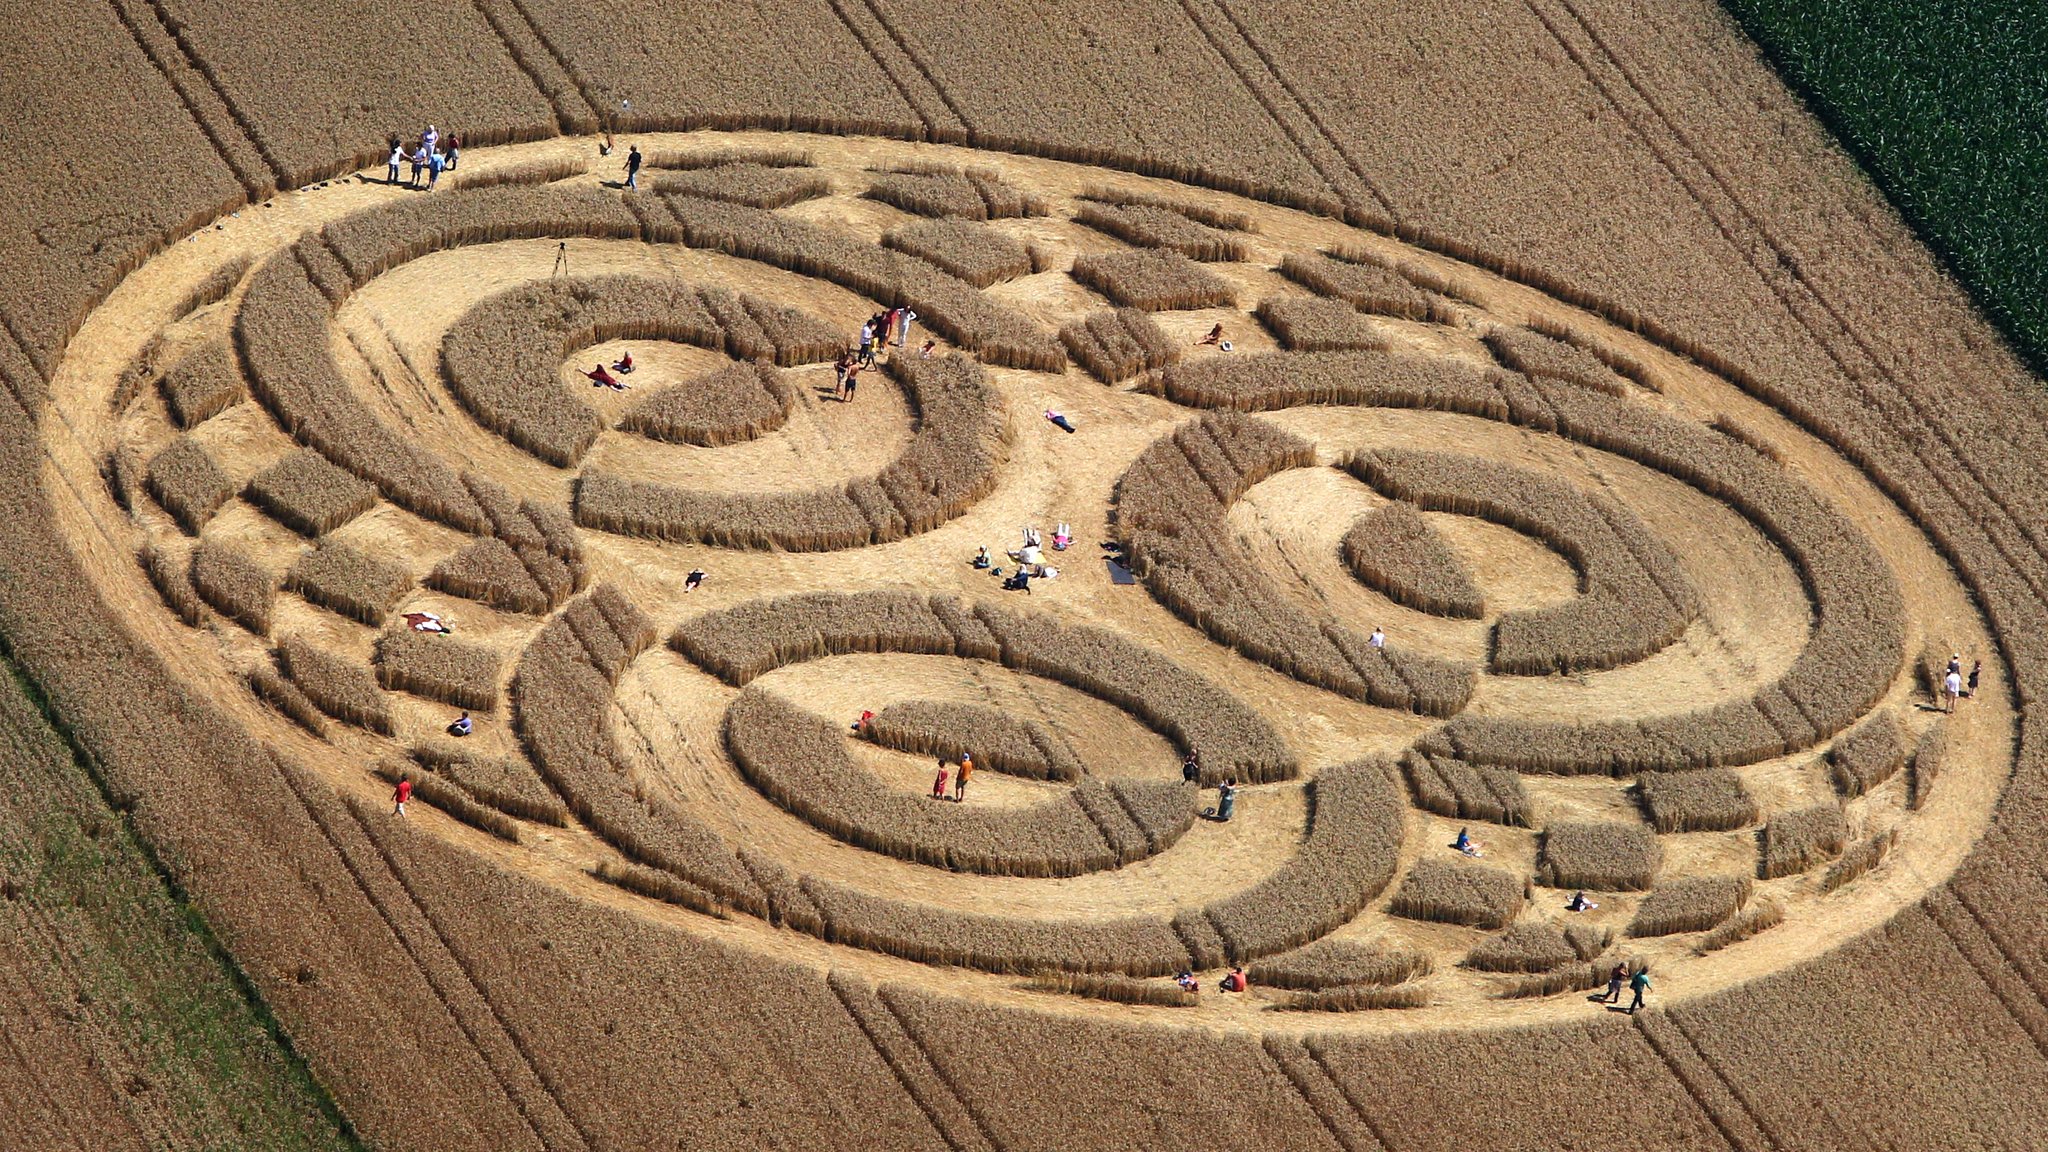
x,y
461,726
693,580
1579,903
1215,336
603,379
925,353
1047,572
981,558
1061,537
427,622
624,364
1466,844
1235,981
1021,582
867,717
1186,980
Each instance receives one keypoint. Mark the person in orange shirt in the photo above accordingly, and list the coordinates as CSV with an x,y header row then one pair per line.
x,y
960,778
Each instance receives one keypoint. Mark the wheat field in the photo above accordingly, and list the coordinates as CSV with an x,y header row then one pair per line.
x,y
1616,547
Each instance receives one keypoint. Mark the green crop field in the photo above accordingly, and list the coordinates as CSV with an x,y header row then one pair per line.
x,y
1946,106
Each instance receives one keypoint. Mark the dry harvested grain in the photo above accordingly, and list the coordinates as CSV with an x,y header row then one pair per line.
x,y
1796,841
1358,998
1450,787
1762,915
974,252
998,741
189,485
1926,765
1330,963
1394,550
727,405
961,440
438,667
1116,344
1366,287
1635,598
1344,862
490,572
235,585
310,496
204,383
340,687
1158,992
1528,946
1149,226
755,185
1153,280
1690,904
1471,894
171,574
1171,516
1604,855
1702,800
1313,324
278,692
1868,755
359,586
1859,858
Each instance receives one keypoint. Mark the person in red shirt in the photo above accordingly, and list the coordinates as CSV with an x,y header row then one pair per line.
x,y
401,794
939,784
1235,981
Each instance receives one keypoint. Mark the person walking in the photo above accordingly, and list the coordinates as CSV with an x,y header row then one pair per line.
x,y
1976,670
391,166
939,782
401,794
633,167
1638,984
960,777
1614,980
839,368
1226,800
454,150
1378,639
1951,689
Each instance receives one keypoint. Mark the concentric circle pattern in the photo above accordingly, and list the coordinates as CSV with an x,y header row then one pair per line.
x,y
1404,553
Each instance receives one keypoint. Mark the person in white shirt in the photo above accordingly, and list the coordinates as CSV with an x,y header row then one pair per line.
x,y
1378,639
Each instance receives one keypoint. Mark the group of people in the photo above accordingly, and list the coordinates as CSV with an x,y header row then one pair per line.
x,y
1954,687
428,156
1233,981
601,378
1030,558
959,774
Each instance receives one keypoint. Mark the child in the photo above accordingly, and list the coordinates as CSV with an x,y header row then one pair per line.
x,y
939,783
852,382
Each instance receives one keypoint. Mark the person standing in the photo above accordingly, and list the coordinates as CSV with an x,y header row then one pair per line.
x,y
391,166
1638,984
867,344
633,167
852,382
1951,689
454,150
905,317
1976,670
939,782
960,777
419,164
401,794
435,162
1191,767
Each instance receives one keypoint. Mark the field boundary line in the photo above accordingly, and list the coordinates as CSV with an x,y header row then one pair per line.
x,y
1308,110
1646,1029
564,119
1299,1064
1792,266
847,989
462,966
1954,927
865,39
1728,1082
198,63
1263,100
252,188
946,1078
403,940
570,71
924,69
